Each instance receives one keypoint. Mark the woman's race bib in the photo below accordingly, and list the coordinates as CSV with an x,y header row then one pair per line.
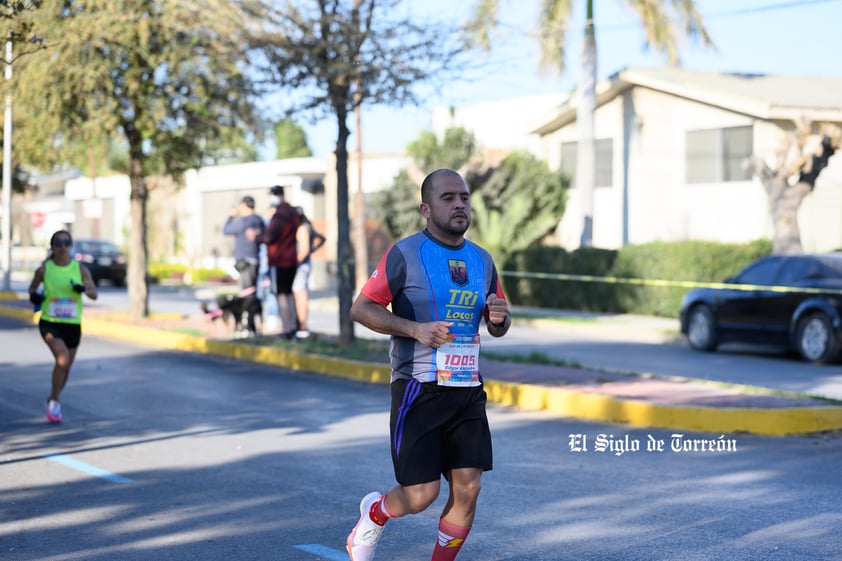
x,y
457,362
63,308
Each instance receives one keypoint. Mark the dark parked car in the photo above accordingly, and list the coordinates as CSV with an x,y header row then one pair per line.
x,y
103,259
790,301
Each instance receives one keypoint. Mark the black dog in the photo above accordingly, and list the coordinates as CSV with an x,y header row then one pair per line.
x,y
244,308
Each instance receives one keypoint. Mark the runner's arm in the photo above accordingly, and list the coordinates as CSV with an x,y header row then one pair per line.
x,y
88,281
377,318
37,279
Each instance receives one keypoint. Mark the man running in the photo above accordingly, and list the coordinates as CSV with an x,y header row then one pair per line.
x,y
440,285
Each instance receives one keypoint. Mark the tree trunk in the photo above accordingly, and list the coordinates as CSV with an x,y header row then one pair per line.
x,y
344,257
785,199
138,289
784,202
586,149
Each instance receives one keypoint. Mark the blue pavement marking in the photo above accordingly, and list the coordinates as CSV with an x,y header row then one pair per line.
x,y
88,468
323,552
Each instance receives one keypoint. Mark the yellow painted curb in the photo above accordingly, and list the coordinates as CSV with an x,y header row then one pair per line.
x,y
555,400
353,370
23,314
603,408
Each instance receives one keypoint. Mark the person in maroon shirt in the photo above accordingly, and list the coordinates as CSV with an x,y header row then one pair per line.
x,y
282,257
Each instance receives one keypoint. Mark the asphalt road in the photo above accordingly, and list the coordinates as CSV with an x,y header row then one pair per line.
x,y
620,343
168,456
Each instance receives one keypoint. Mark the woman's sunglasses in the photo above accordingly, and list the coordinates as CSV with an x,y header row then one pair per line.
x,y
62,243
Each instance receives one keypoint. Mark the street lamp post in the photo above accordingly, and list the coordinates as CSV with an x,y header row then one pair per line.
x,y
7,177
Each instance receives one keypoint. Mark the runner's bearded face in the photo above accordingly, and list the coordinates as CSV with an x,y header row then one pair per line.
x,y
450,207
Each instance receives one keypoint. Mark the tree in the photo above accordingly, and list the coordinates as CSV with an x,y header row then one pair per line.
x,y
518,206
790,175
515,205
396,207
20,177
164,76
20,40
19,29
338,55
291,140
457,150
231,145
662,22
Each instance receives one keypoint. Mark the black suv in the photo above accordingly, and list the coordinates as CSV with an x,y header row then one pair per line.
x,y
103,259
792,301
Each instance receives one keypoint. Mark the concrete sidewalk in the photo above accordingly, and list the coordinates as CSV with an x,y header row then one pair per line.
x,y
643,401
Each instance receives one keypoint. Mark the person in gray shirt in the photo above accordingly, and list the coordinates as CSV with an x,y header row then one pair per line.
x,y
245,225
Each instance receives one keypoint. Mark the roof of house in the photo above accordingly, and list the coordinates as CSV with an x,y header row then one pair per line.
x,y
764,96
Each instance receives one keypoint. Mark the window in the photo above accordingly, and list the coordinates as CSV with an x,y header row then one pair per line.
x,y
717,155
604,158
796,270
763,272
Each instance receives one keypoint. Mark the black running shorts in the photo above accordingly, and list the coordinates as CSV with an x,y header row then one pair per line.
x,y
435,429
282,278
70,333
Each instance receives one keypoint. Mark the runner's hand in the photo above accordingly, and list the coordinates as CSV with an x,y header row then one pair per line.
x,y
497,309
79,288
36,298
433,333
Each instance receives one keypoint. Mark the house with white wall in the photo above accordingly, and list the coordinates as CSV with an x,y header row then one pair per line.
x,y
186,220
100,207
211,192
671,148
501,125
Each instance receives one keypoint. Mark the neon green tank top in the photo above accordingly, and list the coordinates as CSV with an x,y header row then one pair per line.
x,y
61,303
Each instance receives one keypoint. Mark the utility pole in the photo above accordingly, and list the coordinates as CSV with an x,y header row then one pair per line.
x,y
361,271
7,177
361,251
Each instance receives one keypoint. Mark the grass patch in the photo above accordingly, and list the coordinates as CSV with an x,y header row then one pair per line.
x,y
572,318
533,358
364,350
759,390
192,331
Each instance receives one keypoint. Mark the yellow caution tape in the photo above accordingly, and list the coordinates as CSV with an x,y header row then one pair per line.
x,y
669,283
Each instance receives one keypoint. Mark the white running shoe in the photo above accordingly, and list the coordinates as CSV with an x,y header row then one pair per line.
x,y
362,541
53,411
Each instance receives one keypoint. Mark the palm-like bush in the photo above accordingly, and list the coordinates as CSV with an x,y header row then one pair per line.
x,y
518,206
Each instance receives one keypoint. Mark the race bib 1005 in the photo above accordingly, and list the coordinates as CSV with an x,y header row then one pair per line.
x,y
457,361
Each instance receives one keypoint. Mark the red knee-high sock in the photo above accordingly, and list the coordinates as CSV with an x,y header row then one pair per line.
x,y
451,538
379,512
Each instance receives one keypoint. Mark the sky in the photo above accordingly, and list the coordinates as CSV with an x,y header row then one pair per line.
x,y
793,37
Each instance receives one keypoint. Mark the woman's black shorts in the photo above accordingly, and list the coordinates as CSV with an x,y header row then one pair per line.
x,y
70,333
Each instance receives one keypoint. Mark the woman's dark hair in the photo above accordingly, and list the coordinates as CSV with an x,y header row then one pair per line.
x,y
53,241
59,233
301,216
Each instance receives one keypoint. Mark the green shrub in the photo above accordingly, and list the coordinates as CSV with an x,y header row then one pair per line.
x,y
182,273
166,271
560,294
691,261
